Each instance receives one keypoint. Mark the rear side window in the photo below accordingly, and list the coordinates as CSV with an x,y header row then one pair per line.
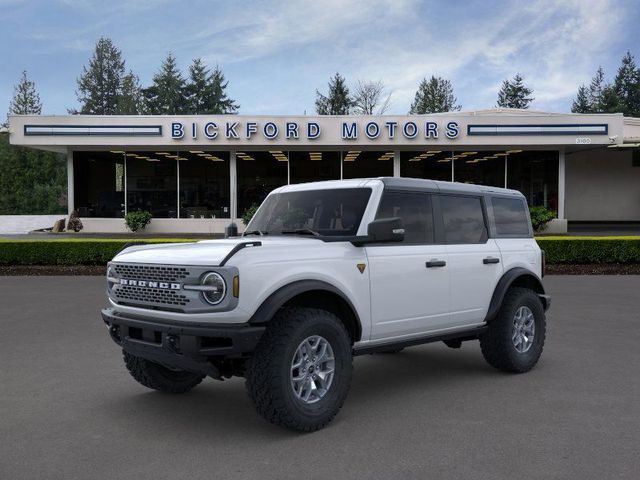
x,y
510,217
463,219
415,211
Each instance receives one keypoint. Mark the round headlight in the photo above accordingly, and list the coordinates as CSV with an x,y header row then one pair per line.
x,y
216,288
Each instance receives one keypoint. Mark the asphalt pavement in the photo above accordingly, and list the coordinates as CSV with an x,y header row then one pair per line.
x,y
69,409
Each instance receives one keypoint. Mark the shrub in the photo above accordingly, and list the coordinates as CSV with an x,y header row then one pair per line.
x,y
72,251
582,250
249,213
540,216
74,222
137,220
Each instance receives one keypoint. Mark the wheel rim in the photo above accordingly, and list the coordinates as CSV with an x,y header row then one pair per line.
x,y
312,369
524,329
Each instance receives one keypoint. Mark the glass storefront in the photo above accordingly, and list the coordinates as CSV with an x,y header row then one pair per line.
x,y
152,183
535,174
204,184
258,173
479,167
367,164
314,166
196,183
432,164
99,184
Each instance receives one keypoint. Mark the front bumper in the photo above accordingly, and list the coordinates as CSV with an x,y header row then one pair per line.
x,y
187,346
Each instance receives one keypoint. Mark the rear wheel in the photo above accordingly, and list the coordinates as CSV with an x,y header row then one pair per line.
x,y
515,338
300,373
158,377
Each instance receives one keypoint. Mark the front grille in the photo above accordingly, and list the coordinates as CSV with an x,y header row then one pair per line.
x,y
151,272
132,294
146,296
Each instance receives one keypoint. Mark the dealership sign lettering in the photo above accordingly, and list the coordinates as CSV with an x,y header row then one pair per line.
x,y
349,130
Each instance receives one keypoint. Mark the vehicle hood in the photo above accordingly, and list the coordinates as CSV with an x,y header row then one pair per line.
x,y
206,252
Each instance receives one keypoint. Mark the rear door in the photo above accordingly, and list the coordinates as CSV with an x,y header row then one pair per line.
x,y
475,262
409,280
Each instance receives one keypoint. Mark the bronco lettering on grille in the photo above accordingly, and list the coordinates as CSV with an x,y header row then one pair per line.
x,y
150,284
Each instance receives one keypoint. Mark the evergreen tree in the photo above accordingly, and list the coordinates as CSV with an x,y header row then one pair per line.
x,y
31,181
514,93
434,95
581,103
627,86
130,100
206,92
26,100
166,96
337,101
596,88
100,84
222,103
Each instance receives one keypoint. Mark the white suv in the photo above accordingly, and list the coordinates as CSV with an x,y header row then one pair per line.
x,y
326,271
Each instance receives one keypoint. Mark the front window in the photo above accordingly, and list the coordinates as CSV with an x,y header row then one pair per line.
x,y
331,212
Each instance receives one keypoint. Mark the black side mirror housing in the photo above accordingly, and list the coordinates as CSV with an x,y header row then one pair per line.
x,y
383,230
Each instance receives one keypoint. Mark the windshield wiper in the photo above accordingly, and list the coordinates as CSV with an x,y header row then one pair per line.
x,y
301,231
254,232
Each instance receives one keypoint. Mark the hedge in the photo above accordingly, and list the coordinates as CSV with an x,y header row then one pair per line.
x,y
73,251
583,250
78,251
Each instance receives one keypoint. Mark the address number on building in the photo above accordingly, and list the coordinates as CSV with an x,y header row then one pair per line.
x,y
583,141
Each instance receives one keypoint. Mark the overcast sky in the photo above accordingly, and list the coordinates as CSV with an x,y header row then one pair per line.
x,y
276,53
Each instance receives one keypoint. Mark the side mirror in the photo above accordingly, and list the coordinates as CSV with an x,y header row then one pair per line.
x,y
383,230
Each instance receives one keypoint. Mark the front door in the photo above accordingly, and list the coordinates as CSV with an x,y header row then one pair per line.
x,y
409,280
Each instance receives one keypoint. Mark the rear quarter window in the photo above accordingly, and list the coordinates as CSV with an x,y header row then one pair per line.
x,y
510,217
463,219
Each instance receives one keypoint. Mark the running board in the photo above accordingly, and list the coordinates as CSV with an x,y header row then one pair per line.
x,y
462,335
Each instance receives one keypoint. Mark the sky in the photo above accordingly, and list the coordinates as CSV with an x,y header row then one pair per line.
x,y
275,54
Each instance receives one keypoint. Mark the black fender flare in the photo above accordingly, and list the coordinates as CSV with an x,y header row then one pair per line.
x,y
522,276
277,299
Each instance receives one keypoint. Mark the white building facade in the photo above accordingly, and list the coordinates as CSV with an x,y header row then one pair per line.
x,y
195,174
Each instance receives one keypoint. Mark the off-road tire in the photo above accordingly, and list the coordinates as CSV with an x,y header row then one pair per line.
x,y
496,344
155,376
268,376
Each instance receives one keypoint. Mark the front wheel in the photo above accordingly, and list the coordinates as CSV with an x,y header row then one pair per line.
x,y
158,377
515,338
300,373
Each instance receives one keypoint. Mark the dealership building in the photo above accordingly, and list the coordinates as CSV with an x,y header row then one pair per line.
x,y
197,173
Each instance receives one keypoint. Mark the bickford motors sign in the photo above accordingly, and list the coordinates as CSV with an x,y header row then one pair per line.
x,y
290,130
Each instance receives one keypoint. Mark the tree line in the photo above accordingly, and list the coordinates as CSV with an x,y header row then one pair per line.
x,y
35,182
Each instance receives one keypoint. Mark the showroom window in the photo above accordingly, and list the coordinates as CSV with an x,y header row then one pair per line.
x,y
364,164
535,174
204,184
258,174
431,164
99,184
152,183
314,166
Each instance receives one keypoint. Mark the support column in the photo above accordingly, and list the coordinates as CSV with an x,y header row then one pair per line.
x,y
396,163
233,186
561,182
70,193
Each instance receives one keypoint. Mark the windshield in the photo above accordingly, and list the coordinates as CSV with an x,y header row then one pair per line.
x,y
330,212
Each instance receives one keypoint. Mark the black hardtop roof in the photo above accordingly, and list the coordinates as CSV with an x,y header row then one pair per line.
x,y
405,183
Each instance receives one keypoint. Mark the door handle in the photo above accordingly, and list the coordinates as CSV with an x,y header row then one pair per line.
x,y
490,260
436,263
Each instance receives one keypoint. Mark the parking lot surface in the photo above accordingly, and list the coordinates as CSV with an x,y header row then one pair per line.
x,y
69,410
